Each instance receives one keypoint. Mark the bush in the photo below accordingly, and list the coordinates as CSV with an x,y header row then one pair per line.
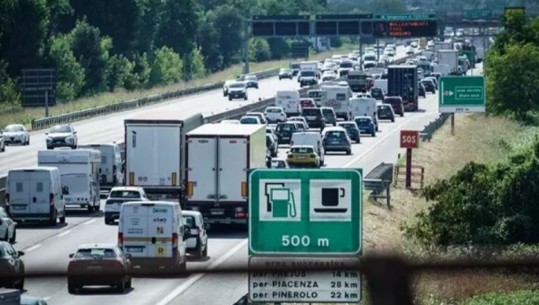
x,y
120,73
9,95
485,205
523,297
167,67
194,64
259,50
71,74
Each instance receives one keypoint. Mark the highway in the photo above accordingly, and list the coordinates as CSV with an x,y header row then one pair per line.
x,y
49,247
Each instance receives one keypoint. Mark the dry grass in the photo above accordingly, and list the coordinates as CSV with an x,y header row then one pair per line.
x,y
25,116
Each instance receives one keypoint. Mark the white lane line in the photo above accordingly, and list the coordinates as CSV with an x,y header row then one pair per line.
x,y
89,221
64,233
182,288
368,150
32,248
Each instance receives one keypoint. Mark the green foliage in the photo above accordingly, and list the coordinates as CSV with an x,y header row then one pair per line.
x,y
120,73
142,71
387,6
279,48
70,73
523,297
178,25
484,204
166,68
194,64
8,88
259,50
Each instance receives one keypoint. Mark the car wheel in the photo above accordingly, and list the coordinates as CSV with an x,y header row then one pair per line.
x,y
402,114
53,219
73,146
90,208
393,120
20,285
3,148
121,286
28,141
349,152
245,98
182,267
129,283
205,252
14,237
373,134
72,289
358,140
49,147
108,221
63,218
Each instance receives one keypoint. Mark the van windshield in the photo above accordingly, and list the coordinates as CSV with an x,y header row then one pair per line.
x,y
286,127
77,183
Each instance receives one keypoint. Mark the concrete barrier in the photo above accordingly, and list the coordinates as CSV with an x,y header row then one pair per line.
x,y
231,114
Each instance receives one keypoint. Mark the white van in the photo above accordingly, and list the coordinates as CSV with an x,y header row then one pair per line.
x,y
289,100
111,171
154,234
311,138
364,106
35,194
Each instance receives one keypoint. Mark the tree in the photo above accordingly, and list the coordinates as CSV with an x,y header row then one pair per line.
x,y
194,64
147,24
259,50
70,72
178,25
166,68
229,23
91,54
208,40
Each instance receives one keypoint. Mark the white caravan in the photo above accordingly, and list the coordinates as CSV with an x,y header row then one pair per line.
x,y
79,170
337,97
111,171
289,100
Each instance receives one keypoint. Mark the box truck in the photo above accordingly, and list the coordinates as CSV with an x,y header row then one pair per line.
x,y
219,158
79,170
290,100
155,152
449,58
402,81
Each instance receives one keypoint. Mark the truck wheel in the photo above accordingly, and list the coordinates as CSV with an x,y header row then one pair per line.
x,y
90,208
402,114
53,219
63,218
229,98
14,237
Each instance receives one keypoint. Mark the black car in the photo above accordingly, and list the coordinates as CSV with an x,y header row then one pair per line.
x,y
271,145
284,132
314,117
377,94
286,73
397,104
11,266
385,112
429,85
329,115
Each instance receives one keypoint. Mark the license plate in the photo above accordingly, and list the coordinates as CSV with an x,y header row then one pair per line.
x,y
134,249
286,138
310,117
301,157
18,207
217,212
93,268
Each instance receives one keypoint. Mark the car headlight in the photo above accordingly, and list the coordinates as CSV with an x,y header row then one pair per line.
x,y
69,139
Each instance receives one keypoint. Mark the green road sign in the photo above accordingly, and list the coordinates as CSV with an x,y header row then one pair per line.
x,y
405,16
478,14
462,94
305,211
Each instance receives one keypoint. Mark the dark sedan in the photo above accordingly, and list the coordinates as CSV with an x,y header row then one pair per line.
x,y
397,104
351,129
11,267
284,132
385,112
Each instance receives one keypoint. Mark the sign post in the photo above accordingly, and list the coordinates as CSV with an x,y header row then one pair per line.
x,y
409,140
305,218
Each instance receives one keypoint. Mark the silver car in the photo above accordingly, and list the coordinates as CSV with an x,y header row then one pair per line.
x,y
16,133
62,136
8,227
197,243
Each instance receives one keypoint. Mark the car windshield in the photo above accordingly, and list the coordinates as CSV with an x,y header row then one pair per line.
x,y
307,73
376,93
327,113
249,121
311,112
273,110
13,128
301,150
363,121
60,129
286,127
124,194
95,252
285,70
237,85
346,65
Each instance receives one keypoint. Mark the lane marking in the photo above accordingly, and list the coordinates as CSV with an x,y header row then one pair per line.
x,y
382,139
89,221
32,248
182,288
64,233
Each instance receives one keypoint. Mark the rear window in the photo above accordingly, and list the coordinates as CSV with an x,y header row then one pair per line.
x,y
273,110
307,73
392,101
125,194
286,127
340,97
302,150
190,220
311,112
363,121
335,134
347,125
95,252
327,112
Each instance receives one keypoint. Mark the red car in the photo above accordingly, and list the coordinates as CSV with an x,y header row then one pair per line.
x,y
98,265
306,103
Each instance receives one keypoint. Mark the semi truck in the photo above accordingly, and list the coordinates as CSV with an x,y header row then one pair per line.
x,y
402,81
357,80
308,73
219,158
155,152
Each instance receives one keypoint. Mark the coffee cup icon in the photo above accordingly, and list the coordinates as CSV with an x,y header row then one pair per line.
x,y
330,200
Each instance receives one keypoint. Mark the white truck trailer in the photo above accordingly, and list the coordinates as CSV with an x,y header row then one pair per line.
x,y
79,171
449,58
155,152
219,158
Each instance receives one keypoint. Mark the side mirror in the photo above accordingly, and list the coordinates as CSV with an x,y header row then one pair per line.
x,y
65,190
20,253
71,255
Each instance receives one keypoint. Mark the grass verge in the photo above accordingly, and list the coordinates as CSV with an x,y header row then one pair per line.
x,y
477,138
26,115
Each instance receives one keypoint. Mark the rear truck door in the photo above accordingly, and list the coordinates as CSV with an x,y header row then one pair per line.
x,y
19,192
233,156
202,169
160,229
134,228
40,193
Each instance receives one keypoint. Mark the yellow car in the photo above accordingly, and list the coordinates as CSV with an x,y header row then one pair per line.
x,y
302,155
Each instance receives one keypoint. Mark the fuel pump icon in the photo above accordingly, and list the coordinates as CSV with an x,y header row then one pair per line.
x,y
282,203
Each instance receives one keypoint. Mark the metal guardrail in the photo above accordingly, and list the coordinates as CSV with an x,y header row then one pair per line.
x,y
432,127
231,114
135,103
